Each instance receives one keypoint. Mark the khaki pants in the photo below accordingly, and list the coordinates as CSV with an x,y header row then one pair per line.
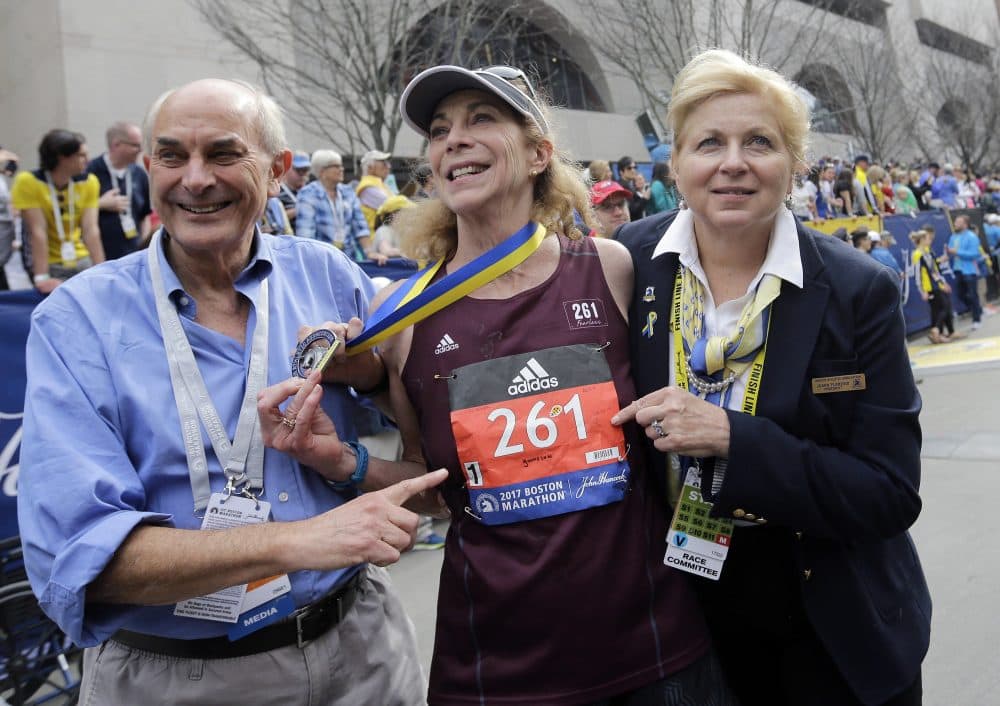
x,y
370,657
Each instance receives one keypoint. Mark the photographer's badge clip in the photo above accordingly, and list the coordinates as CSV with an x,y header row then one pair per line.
x,y
314,352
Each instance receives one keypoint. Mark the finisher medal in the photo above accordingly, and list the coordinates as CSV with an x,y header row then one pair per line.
x,y
314,352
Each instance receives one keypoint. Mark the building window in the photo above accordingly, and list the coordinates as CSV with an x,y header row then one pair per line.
x,y
830,104
514,41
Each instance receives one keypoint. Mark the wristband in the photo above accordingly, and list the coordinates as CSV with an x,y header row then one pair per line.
x,y
41,277
357,478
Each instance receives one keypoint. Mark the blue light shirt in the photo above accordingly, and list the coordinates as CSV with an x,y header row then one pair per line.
x,y
992,237
318,217
102,450
968,254
886,258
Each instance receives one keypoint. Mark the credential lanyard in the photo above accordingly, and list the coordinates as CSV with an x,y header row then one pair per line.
x,y
56,211
115,181
243,459
752,391
414,300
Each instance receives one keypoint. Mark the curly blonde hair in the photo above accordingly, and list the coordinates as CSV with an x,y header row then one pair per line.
x,y
429,230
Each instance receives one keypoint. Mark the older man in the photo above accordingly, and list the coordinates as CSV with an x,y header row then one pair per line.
x,y
124,204
147,499
329,211
371,188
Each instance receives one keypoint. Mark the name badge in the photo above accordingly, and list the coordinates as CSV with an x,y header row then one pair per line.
x,y
839,383
67,253
224,512
128,224
534,435
697,543
265,602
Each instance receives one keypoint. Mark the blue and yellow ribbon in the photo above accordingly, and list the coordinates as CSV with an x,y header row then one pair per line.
x,y
416,299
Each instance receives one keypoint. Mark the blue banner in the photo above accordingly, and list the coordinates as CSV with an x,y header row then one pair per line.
x,y
15,318
916,311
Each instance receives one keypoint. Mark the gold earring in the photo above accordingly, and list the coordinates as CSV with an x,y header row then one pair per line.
x,y
532,173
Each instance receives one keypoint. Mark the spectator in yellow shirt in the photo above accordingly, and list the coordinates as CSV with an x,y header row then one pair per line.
x,y
58,205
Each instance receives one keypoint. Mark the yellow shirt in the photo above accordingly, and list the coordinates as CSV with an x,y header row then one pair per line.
x,y
370,181
30,190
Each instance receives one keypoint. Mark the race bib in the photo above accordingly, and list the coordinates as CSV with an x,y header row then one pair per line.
x,y
534,435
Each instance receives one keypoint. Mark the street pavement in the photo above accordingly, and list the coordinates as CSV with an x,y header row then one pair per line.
x,y
960,488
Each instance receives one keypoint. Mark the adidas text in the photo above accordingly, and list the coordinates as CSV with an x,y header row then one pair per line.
x,y
533,385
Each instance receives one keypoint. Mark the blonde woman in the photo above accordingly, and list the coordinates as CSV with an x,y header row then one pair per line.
x,y
773,380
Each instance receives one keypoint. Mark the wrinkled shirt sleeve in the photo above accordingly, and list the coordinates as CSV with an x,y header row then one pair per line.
x,y
79,495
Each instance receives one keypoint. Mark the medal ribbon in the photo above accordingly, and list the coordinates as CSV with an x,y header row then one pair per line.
x,y
414,300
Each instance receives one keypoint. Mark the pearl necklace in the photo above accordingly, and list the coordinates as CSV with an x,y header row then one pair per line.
x,y
707,387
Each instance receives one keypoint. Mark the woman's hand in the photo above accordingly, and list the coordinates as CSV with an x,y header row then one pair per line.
x,y
364,371
303,430
690,426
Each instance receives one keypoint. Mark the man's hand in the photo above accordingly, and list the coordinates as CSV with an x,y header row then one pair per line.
x,y
48,285
303,430
113,200
373,528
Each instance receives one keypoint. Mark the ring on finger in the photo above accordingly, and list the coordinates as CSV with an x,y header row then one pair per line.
x,y
288,422
657,426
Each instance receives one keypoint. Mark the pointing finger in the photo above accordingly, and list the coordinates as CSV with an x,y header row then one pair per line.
x,y
404,490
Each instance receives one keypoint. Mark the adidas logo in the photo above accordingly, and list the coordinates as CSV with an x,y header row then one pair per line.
x,y
532,378
447,343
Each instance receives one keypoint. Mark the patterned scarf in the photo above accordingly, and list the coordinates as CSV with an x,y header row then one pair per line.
x,y
712,358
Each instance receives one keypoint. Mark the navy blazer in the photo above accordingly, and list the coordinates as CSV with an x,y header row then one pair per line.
x,y
839,471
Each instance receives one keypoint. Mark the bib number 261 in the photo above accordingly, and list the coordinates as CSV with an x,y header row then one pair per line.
x,y
542,430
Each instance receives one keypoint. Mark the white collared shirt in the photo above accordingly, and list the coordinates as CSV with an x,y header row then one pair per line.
x,y
783,260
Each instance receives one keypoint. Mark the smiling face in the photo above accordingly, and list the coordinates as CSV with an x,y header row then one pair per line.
x,y
209,176
480,156
732,166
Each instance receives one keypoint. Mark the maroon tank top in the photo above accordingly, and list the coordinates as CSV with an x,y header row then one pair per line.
x,y
560,610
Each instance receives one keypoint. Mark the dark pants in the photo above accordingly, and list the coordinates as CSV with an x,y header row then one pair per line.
x,y
768,649
788,672
965,288
941,314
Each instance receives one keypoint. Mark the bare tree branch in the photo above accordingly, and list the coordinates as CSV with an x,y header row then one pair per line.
x,y
339,68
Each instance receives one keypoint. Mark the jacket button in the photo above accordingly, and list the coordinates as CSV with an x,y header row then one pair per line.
x,y
739,513
807,574
750,516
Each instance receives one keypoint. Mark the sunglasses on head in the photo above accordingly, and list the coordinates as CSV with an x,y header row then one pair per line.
x,y
510,74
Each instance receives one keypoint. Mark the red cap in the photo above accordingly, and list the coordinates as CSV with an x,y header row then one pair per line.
x,y
603,189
